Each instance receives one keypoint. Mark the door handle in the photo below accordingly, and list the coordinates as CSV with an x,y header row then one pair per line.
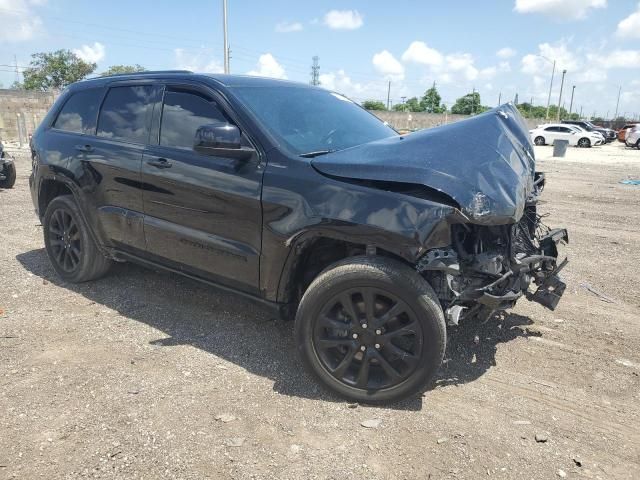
x,y
84,148
159,163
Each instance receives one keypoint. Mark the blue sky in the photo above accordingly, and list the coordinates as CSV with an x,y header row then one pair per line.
x,y
489,46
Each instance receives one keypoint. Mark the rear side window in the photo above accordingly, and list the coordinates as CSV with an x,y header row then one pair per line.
x,y
182,113
125,114
79,112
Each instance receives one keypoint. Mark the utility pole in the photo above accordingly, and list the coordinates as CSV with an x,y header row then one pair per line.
x,y
499,98
553,71
15,62
564,72
315,71
226,38
389,95
404,105
618,102
571,103
581,112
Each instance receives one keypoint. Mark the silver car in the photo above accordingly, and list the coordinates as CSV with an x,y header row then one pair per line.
x,y
633,137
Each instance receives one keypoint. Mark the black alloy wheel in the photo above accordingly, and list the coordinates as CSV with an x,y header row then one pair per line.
x,y
70,246
368,338
371,329
64,238
539,141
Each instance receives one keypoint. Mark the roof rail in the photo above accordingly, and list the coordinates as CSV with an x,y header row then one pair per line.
x,y
146,72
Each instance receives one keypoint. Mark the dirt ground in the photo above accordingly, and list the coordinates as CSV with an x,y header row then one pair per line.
x,y
150,375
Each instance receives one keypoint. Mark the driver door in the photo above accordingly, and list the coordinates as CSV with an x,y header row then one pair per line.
x,y
202,213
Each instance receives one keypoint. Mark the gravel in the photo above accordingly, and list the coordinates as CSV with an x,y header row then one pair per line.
x,y
133,376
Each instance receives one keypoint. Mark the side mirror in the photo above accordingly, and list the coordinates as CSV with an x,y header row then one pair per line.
x,y
221,140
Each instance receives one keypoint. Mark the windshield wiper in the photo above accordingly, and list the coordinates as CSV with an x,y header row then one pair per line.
x,y
317,153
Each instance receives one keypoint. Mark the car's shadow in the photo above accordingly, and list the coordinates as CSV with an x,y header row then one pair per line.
x,y
240,331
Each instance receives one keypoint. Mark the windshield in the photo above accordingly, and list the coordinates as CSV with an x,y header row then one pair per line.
x,y
312,121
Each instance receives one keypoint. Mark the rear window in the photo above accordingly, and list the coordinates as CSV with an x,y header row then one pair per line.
x,y
79,112
125,114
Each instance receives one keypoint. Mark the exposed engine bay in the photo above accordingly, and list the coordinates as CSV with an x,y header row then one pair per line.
x,y
488,268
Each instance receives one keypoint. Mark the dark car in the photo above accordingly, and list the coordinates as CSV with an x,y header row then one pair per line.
x,y
295,196
608,134
7,169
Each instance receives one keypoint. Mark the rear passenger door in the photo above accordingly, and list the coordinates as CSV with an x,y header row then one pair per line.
x,y
114,158
203,213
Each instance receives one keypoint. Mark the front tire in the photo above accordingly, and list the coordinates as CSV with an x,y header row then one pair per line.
x,y
584,143
9,175
371,329
539,141
69,244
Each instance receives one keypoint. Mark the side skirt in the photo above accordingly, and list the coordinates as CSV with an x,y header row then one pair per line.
x,y
281,310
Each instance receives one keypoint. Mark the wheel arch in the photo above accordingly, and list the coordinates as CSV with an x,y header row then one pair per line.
x,y
49,189
312,253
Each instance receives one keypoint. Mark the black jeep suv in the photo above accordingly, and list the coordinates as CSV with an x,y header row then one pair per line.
x,y
296,196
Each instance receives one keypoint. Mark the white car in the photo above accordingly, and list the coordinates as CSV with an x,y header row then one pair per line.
x,y
549,133
632,138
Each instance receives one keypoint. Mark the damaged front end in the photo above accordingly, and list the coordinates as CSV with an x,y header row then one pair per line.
x,y
498,248
488,268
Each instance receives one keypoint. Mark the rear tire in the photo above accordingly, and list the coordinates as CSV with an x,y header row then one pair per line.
x,y
70,246
371,329
539,141
9,174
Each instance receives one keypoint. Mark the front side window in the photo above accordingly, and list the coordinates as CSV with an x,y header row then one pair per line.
x,y
183,112
78,115
125,114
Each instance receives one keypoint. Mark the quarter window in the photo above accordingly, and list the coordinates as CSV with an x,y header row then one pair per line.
x,y
79,112
182,114
125,114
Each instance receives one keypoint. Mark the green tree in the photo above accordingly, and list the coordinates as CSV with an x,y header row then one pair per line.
x,y
413,105
115,69
469,104
430,101
374,105
400,107
57,69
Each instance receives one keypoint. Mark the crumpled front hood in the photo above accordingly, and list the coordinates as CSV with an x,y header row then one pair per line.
x,y
485,163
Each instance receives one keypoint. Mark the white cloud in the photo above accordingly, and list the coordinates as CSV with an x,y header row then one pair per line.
x,y
288,27
630,26
420,52
18,21
200,61
89,53
565,59
617,59
448,68
340,82
343,19
559,9
268,66
461,63
506,52
386,64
